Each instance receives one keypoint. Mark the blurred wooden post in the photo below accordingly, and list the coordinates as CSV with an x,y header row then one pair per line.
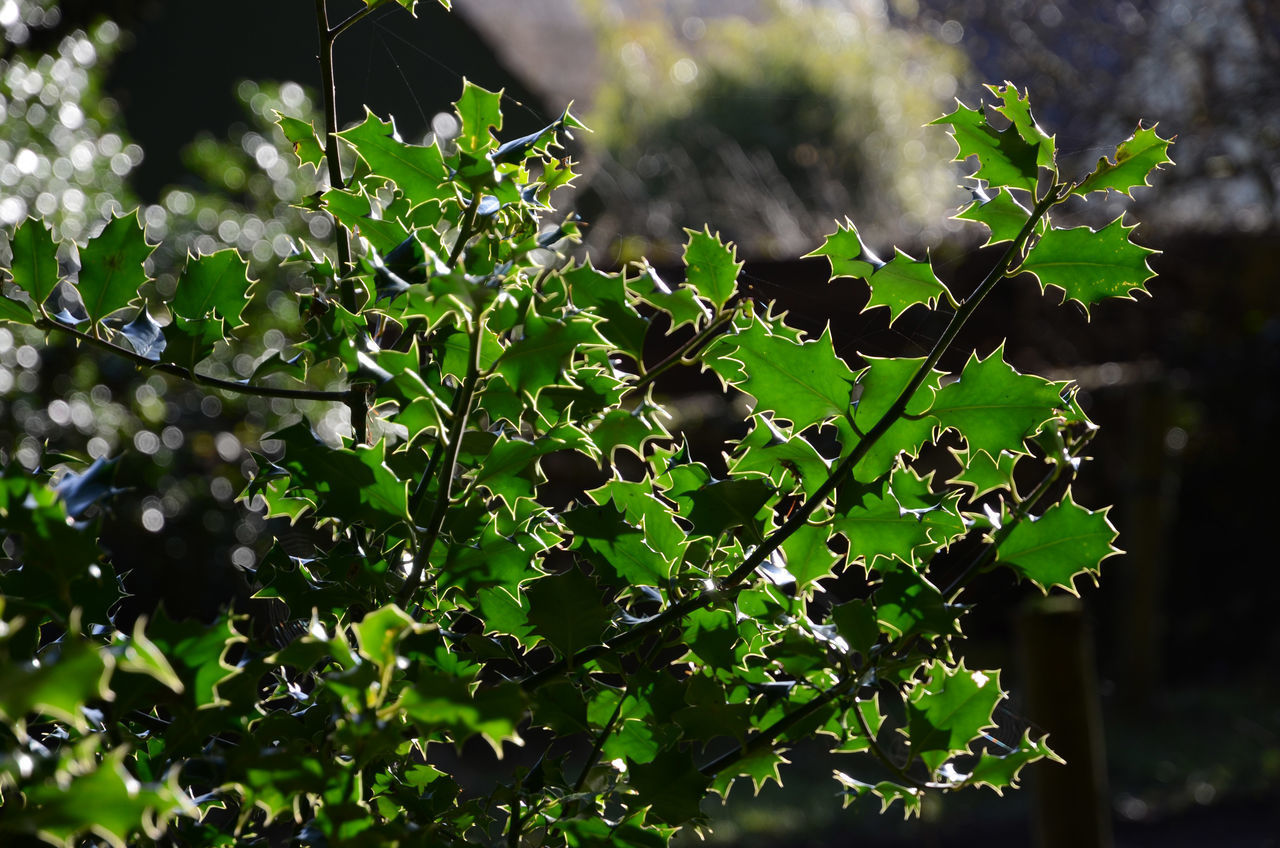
x,y
1071,804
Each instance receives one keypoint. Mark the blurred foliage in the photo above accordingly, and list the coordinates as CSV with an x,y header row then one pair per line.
x,y
769,128
63,152
66,156
1208,68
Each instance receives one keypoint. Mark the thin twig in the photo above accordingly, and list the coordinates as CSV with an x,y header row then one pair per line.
x,y
448,468
190,374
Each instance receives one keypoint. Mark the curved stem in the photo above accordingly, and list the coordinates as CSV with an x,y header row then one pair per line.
x,y
170,368
465,230
679,354
1020,513
341,236
448,468
729,587
769,734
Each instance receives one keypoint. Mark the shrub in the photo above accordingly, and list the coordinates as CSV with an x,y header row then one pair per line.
x,y
651,631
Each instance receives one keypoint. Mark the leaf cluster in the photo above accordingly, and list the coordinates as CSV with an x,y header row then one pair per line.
x,y
611,658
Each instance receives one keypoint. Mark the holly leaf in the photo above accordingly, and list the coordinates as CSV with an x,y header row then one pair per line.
x,y
350,484
903,282
187,343
979,470
711,267
1004,158
35,260
881,382
1017,108
899,517
606,295
302,135
81,491
846,253
1002,215
907,603
1066,541
671,785
216,283
16,311
111,267
480,112
726,504
417,170
1001,770
1088,265
1136,158
145,335
949,710
566,610
805,383
788,460
60,684
540,357
682,304
993,406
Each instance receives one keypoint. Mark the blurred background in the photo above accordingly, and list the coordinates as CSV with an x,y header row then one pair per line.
x,y
768,120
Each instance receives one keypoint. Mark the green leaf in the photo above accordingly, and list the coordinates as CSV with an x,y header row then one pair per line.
x,y
111,267
187,343
213,284
671,785
903,282
1003,215
350,484
907,603
1135,160
993,406
565,609
949,710
809,558
606,295
380,632
788,460
102,798
856,621
1053,549
682,304
302,135
35,260
1088,265
418,171
711,267
1004,158
480,112
846,253
1001,770
804,383
726,504
15,311
195,652
881,382
984,474
540,358
899,518
143,656
59,683
1017,108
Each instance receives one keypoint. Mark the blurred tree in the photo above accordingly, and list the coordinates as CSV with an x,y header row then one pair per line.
x,y
768,126
1208,68
65,155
